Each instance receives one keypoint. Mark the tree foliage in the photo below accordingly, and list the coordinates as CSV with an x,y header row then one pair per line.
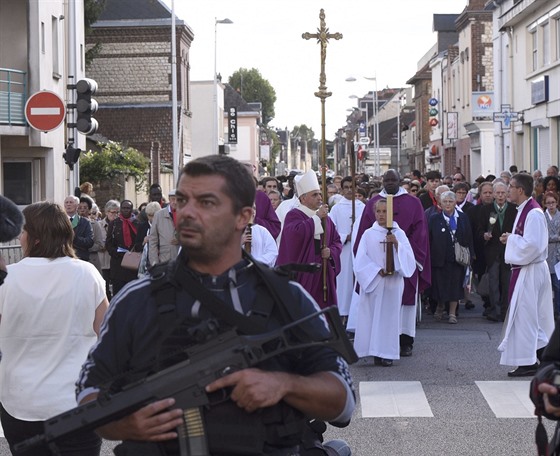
x,y
92,10
254,88
303,132
114,159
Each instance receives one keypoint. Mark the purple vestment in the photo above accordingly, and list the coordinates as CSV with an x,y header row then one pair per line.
x,y
409,214
265,214
298,245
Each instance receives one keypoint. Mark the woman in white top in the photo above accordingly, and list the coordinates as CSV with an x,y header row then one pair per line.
x,y
51,307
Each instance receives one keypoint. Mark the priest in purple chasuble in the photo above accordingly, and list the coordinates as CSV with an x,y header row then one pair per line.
x,y
302,240
409,215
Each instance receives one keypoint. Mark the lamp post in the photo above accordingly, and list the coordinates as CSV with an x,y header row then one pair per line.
x,y
376,144
174,120
376,124
399,136
215,86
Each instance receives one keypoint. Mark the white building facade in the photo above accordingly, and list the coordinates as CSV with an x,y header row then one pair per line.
x,y
34,56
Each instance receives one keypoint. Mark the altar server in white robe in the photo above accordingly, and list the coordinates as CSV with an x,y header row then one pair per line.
x,y
379,308
258,241
530,317
341,215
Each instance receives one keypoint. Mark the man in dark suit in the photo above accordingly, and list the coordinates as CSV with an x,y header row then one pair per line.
x,y
83,234
485,197
495,219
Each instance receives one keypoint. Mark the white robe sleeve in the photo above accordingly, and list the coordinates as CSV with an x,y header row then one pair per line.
x,y
533,245
263,248
369,261
405,263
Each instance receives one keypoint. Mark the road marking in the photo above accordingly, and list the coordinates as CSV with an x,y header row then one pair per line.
x,y
393,399
508,399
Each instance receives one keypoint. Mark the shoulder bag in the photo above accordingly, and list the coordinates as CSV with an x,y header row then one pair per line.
x,y
131,260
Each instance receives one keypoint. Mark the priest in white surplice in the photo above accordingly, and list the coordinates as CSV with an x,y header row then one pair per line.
x,y
341,215
530,317
379,308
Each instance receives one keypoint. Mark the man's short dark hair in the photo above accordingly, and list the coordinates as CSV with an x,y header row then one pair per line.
x,y
525,181
239,186
345,179
513,169
430,175
416,173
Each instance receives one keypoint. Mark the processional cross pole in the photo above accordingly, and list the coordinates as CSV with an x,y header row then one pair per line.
x,y
323,36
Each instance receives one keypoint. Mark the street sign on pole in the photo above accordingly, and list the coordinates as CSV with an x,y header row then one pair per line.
x,y
45,111
364,140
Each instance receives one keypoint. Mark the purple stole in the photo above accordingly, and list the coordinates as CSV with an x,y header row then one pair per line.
x,y
519,229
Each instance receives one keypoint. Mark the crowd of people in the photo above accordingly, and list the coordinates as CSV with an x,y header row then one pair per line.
x,y
376,249
439,216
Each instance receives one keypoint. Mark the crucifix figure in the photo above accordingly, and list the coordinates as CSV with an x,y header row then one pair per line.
x,y
323,37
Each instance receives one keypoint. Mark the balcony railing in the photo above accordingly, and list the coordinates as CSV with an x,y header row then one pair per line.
x,y
13,96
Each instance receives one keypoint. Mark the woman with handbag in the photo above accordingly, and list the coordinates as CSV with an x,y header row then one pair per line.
x,y
51,308
121,239
449,261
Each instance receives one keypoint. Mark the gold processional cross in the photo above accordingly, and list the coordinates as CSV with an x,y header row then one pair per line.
x,y
323,37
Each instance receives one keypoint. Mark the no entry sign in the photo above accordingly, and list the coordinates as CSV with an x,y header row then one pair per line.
x,y
45,111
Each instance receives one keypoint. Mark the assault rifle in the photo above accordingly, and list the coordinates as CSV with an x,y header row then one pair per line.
x,y
220,355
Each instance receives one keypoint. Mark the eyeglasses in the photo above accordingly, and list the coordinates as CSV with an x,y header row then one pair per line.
x,y
457,179
548,203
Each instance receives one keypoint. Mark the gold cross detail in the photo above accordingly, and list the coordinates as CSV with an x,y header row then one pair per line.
x,y
322,37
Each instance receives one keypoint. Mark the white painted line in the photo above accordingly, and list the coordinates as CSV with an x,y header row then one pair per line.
x,y
508,399
45,111
393,399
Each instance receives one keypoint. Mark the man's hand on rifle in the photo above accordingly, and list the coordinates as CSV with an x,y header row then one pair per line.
x,y
253,388
152,423
549,390
320,395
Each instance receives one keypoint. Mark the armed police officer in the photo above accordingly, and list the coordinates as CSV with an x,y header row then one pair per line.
x,y
266,408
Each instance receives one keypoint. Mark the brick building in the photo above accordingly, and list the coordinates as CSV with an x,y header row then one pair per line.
x,y
133,71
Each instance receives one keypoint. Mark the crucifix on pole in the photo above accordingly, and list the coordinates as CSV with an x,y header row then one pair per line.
x,y
323,36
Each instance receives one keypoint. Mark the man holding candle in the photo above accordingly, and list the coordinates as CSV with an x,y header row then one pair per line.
x,y
384,258
409,214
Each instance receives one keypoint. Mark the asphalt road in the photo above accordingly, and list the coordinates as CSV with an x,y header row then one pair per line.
x,y
447,361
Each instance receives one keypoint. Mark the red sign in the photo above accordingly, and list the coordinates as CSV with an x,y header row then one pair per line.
x,y
45,111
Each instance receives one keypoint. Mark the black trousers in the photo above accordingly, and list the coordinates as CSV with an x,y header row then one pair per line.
x,y
499,274
82,444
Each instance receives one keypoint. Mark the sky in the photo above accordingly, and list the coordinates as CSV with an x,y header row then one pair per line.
x,y
381,38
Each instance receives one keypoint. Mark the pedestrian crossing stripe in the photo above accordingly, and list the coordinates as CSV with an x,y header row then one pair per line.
x,y
506,399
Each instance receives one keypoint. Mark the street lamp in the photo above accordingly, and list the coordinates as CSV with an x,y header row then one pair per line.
x,y
215,87
399,135
376,123
375,120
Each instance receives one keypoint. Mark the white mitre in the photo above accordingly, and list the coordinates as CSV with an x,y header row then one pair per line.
x,y
307,183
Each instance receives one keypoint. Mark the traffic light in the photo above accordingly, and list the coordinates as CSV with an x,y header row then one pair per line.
x,y
86,106
433,112
71,156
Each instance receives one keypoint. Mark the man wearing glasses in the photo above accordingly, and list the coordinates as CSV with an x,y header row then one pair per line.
x,y
530,318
